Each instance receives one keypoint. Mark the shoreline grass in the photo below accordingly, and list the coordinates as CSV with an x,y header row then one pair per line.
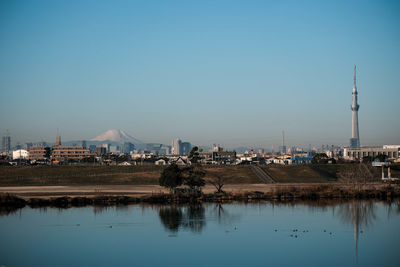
x,y
10,202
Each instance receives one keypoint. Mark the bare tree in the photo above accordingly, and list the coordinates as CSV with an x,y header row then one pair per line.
x,y
218,182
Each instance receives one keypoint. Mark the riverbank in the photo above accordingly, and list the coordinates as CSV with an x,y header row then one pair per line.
x,y
11,201
133,190
150,174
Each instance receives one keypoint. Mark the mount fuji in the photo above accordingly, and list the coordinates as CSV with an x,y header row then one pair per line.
x,y
118,136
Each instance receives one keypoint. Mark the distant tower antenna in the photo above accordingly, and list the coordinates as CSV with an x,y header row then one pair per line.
x,y
355,136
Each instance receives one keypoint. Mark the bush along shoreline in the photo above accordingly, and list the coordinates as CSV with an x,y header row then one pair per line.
x,y
10,202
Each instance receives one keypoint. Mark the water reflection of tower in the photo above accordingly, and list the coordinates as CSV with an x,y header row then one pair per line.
x,y
359,214
356,223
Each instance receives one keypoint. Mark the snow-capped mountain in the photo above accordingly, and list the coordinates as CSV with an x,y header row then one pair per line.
x,y
119,136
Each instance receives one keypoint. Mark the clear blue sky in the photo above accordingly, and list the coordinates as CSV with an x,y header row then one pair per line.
x,y
228,72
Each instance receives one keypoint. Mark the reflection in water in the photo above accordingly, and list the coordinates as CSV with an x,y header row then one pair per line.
x,y
396,208
97,209
359,214
194,218
171,217
222,215
5,211
355,212
132,233
188,217
220,211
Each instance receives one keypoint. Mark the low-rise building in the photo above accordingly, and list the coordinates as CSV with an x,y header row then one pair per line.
x,y
69,152
39,152
180,161
301,160
392,152
20,154
224,157
161,162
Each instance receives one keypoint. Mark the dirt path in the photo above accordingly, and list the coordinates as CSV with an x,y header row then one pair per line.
x,y
128,190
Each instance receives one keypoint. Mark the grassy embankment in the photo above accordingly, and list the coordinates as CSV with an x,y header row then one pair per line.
x,y
317,173
108,175
149,175
304,173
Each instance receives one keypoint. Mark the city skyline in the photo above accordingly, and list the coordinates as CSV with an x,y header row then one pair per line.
x,y
172,144
234,73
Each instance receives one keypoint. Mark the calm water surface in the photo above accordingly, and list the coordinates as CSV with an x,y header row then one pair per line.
x,y
314,234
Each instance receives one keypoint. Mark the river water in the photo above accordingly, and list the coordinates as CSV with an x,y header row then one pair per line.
x,y
355,233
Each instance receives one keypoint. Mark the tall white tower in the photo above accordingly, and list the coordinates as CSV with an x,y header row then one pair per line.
x,y
355,137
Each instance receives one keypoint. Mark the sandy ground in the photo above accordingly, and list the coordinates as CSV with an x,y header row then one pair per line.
x,y
127,190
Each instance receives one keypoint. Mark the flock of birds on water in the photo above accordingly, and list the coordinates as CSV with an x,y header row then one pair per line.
x,y
294,234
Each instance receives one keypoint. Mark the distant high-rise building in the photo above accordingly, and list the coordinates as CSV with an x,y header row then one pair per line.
x,y
83,143
177,147
127,147
100,151
355,137
165,150
6,143
283,147
114,149
154,148
92,148
107,147
186,147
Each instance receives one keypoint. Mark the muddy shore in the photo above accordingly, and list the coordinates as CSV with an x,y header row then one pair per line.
x,y
12,198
